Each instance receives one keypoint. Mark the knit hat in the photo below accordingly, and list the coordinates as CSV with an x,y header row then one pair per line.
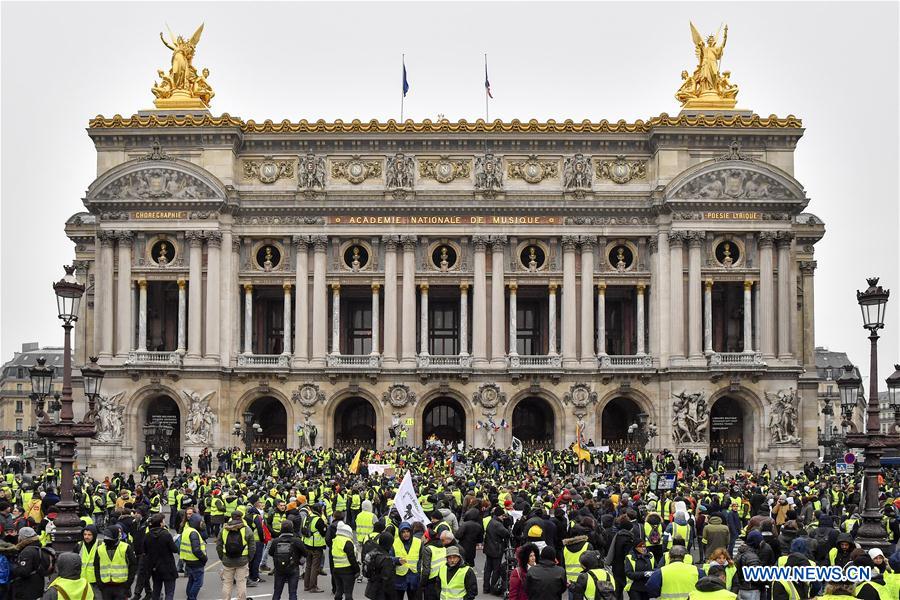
x,y
26,532
754,538
535,532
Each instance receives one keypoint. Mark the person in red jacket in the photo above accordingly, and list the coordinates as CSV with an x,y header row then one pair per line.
x,y
526,556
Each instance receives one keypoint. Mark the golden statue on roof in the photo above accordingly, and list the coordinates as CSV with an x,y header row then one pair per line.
x,y
182,87
708,87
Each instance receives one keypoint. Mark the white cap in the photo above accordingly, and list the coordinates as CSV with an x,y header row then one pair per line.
x,y
873,552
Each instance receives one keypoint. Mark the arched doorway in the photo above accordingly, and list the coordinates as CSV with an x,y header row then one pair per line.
x,y
18,449
354,423
728,432
444,419
269,412
618,415
163,414
533,423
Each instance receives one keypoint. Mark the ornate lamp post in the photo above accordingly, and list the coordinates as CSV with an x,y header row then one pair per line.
x,y
642,432
247,431
893,385
871,533
65,431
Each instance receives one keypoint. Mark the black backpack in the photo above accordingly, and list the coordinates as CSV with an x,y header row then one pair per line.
x,y
283,555
234,543
604,589
820,553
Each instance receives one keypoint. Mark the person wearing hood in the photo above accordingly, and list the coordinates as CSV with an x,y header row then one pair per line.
x,y
790,590
675,580
621,545
159,557
573,548
682,527
365,522
840,554
496,539
433,557
546,580
192,550
585,586
892,574
754,552
826,537
639,565
876,588
342,562
69,584
470,534
380,569
26,571
407,550
87,551
715,535
115,566
236,547
712,586
526,557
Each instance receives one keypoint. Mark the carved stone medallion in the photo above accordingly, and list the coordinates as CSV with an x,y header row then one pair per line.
x,y
312,172
356,170
621,171
580,395
399,395
444,170
489,395
308,395
533,170
268,170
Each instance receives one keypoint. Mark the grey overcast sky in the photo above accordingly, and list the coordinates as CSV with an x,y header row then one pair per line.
x,y
835,65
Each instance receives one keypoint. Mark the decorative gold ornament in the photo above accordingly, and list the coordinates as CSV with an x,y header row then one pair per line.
x,y
621,171
268,170
183,87
444,170
533,170
707,87
356,170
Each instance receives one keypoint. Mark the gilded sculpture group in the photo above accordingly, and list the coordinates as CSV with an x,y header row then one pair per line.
x,y
707,87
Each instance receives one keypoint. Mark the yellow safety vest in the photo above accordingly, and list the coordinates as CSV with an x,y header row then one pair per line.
x,y
590,590
185,551
341,561
87,561
884,591
277,519
633,562
730,570
438,560
243,531
678,580
572,561
365,525
717,595
315,539
454,589
73,589
679,530
340,502
412,556
115,569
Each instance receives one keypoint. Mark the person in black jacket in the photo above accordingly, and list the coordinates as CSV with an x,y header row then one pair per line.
x,y
159,551
470,534
639,564
26,571
139,529
287,571
621,546
379,569
496,540
343,577
546,580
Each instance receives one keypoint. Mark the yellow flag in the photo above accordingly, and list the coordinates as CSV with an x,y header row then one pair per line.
x,y
354,466
578,448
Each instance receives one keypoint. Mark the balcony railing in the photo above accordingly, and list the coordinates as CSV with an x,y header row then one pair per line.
x,y
278,361
625,361
441,362
353,362
145,358
533,362
736,359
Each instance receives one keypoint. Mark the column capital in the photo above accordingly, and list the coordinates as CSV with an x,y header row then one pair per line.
x,y
513,286
601,286
286,286
708,283
480,242
807,267
423,287
695,238
125,238
409,242
551,287
181,284
748,285
498,242
142,283
653,244
569,242
248,287
214,239
106,238
640,288
587,243
194,237
390,242
300,242
376,286
766,238
676,238
464,286
784,238
335,288
320,242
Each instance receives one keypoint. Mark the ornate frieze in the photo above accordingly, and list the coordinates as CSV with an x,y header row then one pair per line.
x,y
157,183
279,220
356,170
399,172
444,169
268,170
533,170
621,170
605,221
733,184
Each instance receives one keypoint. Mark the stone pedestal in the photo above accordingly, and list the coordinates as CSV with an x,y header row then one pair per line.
x,y
102,459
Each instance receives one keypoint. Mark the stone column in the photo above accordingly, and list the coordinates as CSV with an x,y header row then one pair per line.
x,y
287,318
320,302
335,318
124,322
601,318
301,300
463,318
766,295
182,316
195,294
588,355
707,317
142,315
408,338
227,283
695,289
569,317
423,319
513,325
663,297
551,317
748,316
807,271
234,295
213,247
103,312
640,319
676,276
498,302
248,318
479,303
784,294
390,298
653,249
376,317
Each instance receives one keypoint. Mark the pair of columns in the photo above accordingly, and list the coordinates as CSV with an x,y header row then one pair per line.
x,y
639,319
142,315
248,319
707,317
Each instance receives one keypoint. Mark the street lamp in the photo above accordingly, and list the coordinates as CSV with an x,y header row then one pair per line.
x,y
848,386
872,534
65,431
893,385
92,376
247,431
41,384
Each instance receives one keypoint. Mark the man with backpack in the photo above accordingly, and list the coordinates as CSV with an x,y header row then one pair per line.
x,y
32,566
314,540
236,546
255,521
287,552
594,582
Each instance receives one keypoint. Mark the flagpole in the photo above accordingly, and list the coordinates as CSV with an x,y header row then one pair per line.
x,y
487,116
402,81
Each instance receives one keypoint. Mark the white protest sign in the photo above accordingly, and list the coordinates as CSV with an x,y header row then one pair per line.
x,y
515,514
407,503
379,469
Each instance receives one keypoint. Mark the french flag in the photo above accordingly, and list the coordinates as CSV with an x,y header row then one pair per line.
x,y
487,82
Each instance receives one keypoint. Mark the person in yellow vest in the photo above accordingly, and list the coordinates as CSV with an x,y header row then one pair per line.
x,y
432,558
236,547
87,551
456,580
115,566
365,522
192,550
406,574
70,583
314,540
593,579
876,588
573,548
676,580
343,563
712,586
839,590
639,565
